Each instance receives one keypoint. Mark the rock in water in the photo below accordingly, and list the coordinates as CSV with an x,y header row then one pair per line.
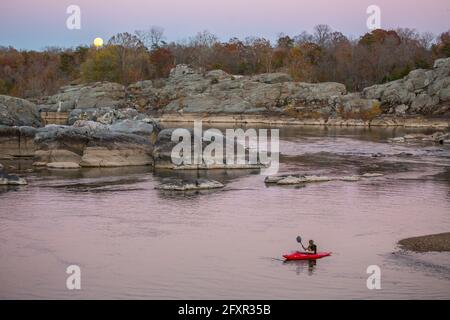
x,y
91,146
6,179
372,175
188,185
296,179
63,165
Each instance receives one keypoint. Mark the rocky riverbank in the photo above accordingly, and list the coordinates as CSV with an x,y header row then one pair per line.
x,y
419,99
429,243
108,124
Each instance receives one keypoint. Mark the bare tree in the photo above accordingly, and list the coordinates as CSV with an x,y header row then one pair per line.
x,y
152,38
427,39
303,37
322,34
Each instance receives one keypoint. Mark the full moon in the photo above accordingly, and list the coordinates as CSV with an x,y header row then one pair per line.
x,y
98,42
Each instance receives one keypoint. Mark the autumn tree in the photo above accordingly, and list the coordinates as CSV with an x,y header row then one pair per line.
x,y
442,47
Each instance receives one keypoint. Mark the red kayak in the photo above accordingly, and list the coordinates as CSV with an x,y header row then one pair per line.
x,y
306,256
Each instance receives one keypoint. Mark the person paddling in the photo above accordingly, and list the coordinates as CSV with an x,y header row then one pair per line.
x,y
312,248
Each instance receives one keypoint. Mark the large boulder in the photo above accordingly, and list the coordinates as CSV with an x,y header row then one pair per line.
x,y
162,155
18,112
90,145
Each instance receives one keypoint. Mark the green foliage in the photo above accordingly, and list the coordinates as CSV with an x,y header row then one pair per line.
x,y
102,65
4,87
397,74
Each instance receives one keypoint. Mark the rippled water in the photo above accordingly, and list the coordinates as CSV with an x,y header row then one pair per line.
x,y
132,241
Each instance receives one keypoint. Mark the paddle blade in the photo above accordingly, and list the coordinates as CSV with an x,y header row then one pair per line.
x,y
299,239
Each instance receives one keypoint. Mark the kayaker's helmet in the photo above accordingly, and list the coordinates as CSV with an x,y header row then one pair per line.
x,y
299,239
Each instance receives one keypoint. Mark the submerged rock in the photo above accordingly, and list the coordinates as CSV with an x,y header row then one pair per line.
x,y
397,140
372,175
294,179
189,185
7,179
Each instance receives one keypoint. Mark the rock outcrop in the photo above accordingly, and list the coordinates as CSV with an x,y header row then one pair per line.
x,y
422,92
91,96
425,92
216,92
18,112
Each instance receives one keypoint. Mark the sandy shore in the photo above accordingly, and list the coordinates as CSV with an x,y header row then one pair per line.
x,y
434,242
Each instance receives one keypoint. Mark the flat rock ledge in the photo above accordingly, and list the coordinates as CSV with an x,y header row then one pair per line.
x,y
293,179
63,165
430,243
437,137
6,179
192,185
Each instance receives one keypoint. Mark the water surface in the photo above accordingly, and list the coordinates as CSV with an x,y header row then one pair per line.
x,y
132,241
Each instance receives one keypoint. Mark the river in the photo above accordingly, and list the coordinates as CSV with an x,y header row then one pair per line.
x,y
134,242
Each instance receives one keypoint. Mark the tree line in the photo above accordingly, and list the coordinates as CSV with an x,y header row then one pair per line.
x,y
323,55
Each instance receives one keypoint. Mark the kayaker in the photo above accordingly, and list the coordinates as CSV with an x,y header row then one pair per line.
x,y
312,248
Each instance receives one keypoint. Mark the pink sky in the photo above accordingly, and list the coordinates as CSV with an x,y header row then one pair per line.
x,y
39,23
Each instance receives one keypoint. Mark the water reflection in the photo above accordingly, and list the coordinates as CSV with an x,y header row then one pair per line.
x,y
302,266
